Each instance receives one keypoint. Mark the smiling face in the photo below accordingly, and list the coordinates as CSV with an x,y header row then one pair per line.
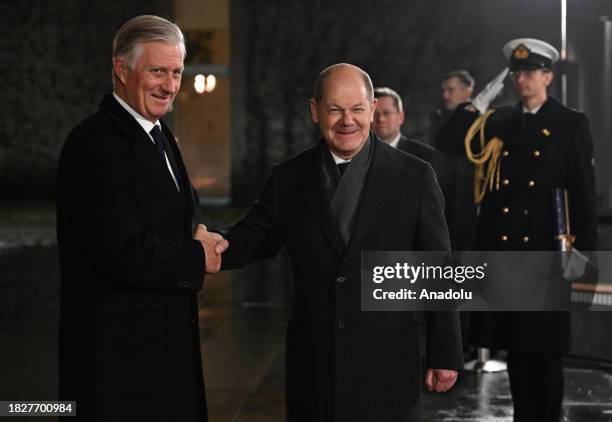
x,y
344,113
151,83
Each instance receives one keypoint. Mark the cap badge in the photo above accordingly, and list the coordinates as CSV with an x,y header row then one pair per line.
x,y
521,52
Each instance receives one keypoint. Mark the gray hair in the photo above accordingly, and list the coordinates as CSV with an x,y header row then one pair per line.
x,y
388,92
320,81
463,75
128,40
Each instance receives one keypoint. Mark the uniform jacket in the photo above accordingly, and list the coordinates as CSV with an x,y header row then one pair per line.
x,y
551,149
344,364
130,270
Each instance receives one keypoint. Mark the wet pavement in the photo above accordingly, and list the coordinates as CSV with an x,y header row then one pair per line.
x,y
242,318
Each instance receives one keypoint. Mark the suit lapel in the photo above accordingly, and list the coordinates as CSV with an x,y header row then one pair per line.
x,y
182,170
143,146
311,179
379,183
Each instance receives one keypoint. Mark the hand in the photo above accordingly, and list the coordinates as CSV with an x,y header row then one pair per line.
x,y
440,380
485,97
214,245
574,265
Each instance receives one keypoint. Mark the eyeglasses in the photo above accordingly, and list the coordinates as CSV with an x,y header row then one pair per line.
x,y
526,73
385,113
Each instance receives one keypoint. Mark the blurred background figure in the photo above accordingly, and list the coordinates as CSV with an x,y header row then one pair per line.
x,y
456,88
388,119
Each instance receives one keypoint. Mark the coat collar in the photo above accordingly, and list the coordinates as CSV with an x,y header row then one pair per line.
x,y
378,185
312,181
548,111
144,147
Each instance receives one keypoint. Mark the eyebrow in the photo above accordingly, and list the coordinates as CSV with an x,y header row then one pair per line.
x,y
340,107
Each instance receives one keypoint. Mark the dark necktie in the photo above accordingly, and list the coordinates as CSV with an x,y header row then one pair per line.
x,y
342,167
529,119
164,150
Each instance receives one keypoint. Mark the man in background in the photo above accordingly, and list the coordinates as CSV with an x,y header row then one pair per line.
x,y
388,120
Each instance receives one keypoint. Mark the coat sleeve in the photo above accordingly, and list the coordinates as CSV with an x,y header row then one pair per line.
x,y
98,219
257,235
450,138
581,188
443,335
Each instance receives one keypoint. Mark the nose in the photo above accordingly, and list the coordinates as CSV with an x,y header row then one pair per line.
x,y
171,83
348,118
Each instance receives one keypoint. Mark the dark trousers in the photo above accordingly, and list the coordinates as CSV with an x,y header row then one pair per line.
x,y
536,383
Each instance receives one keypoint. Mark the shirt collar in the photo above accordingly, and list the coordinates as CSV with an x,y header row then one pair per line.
x,y
144,123
338,159
395,140
533,110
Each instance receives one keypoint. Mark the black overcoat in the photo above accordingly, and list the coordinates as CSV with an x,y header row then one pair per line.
x,y
129,343
344,364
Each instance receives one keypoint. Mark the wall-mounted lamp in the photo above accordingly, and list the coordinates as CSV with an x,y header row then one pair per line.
x,y
204,84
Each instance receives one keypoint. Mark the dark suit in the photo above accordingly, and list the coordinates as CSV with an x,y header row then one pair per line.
x,y
418,149
456,177
130,270
551,149
344,364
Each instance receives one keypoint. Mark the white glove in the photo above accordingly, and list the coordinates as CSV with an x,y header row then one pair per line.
x,y
490,92
574,266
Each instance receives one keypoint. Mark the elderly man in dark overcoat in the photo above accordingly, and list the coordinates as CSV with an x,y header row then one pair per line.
x,y
131,264
348,194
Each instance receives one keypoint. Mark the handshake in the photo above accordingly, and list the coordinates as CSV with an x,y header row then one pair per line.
x,y
214,245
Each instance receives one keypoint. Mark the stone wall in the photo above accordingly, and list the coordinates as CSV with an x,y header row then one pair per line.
x,y
55,61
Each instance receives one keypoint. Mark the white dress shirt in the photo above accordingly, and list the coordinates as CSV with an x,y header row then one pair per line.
x,y
147,126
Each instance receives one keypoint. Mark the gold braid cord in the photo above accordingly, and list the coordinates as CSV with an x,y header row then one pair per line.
x,y
487,157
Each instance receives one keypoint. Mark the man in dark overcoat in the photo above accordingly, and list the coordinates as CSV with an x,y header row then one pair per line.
x,y
545,146
347,194
129,347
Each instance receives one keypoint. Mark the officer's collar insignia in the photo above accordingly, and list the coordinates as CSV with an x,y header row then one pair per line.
x,y
521,52
546,132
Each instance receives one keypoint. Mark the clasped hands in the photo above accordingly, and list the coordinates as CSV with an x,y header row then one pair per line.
x,y
214,245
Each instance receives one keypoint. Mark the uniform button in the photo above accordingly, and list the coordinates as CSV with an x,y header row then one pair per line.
x,y
536,153
340,279
506,182
504,238
526,212
193,321
506,153
505,210
526,239
340,323
531,183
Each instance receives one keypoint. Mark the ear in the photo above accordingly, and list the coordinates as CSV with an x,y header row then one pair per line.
x,y
120,69
401,117
373,105
549,77
314,114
